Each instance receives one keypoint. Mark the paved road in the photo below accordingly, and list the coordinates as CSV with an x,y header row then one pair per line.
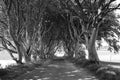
x,y
58,71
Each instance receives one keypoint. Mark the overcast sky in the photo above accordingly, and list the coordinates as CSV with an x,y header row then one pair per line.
x,y
117,2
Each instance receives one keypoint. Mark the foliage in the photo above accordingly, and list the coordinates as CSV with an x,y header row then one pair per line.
x,y
98,14
24,19
103,72
37,27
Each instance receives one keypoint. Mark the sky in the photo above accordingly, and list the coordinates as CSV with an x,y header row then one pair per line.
x,y
117,2
117,12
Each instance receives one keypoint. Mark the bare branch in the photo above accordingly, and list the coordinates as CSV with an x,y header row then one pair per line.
x,y
4,23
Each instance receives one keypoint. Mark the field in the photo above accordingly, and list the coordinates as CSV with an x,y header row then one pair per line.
x,y
104,55
109,56
5,59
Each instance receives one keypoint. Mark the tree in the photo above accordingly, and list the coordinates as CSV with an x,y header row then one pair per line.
x,y
37,27
93,16
24,24
5,39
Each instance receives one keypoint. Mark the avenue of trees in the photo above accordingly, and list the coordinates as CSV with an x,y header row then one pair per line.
x,y
37,27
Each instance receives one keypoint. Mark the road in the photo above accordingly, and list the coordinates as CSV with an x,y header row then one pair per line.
x,y
58,71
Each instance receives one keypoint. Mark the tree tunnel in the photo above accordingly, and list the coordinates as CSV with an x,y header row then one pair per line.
x,y
38,28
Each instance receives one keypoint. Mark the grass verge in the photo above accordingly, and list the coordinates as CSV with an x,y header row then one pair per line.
x,y
14,71
101,71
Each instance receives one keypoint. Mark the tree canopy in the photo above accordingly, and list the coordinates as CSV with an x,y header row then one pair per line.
x,y
37,26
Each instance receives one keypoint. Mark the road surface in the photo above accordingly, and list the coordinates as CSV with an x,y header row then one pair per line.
x,y
58,71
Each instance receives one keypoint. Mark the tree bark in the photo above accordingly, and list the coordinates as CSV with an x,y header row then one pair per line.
x,y
27,56
20,55
91,46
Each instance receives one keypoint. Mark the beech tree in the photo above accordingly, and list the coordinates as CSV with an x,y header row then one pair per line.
x,y
5,39
96,20
24,24
37,27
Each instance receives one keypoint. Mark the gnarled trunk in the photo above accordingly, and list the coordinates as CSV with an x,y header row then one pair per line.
x,y
92,53
91,46
20,55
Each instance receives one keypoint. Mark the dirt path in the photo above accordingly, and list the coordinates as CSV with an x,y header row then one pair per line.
x,y
58,71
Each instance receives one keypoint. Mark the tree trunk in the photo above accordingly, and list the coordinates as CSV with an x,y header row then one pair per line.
x,y
27,54
27,58
20,55
91,46
70,53
92,53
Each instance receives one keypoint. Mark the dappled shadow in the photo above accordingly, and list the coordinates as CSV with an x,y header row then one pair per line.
x,y
58,71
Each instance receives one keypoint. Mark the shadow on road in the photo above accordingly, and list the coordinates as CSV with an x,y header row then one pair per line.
x,y
58,71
